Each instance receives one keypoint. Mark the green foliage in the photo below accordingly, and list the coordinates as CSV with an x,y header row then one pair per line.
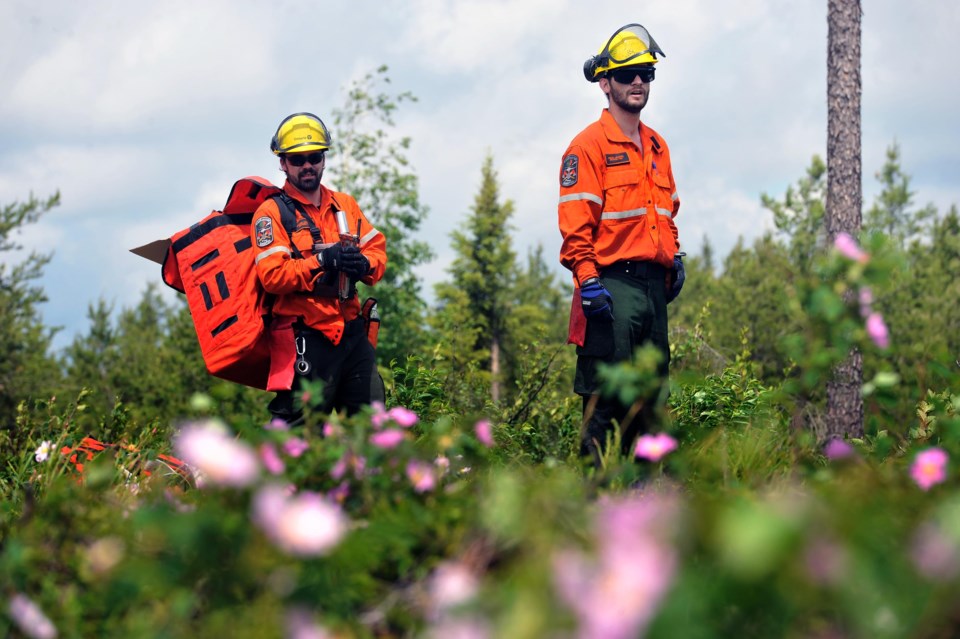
x,y
26,369
370,163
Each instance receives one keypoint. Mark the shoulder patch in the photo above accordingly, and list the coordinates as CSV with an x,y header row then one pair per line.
x,y
263,229
569,171
615,159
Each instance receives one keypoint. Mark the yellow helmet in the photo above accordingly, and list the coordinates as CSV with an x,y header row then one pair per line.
x,y
300,132
630,45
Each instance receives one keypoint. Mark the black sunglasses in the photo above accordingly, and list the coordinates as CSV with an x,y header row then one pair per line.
x,y
627,74
299,159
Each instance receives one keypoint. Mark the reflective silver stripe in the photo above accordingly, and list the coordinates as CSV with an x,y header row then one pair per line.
x,y
275,249
581,196
369,236
622,215
674,196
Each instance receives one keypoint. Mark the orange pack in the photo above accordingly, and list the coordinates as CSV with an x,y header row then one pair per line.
x,y
211,262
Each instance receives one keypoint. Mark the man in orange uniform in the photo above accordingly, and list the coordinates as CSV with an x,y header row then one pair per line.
x,y
314,269
618,200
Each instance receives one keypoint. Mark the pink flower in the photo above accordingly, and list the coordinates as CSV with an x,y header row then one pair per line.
x,y
389,438
294,447
403,417
29,618
929,467
484,432
838,449
934,553
216,455
452,584
877,330
615,594
654,447
301,625
380,416
421,476
340,493
340,468
866,301
304,525
276,424
332,430
848,247
271,459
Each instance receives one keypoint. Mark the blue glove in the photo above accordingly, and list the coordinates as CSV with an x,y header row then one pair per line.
x,y
677,276
596,300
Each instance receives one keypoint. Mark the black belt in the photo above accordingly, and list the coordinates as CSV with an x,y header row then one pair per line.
x,y
631,268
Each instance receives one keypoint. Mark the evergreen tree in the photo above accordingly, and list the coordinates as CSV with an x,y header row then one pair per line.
x,y
26,367
891,213
484,273
372,166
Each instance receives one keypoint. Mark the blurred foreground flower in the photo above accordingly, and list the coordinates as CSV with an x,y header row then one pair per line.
x,y
421,476
934,554
837,449
295,447
616,594
452,584
301,625
654,447
389,438
848,247
484,432
43,451
877,330
929,467
209,448
305,525
271,459
30,619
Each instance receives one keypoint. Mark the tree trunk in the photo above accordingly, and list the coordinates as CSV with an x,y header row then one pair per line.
x,y
844,190
495,369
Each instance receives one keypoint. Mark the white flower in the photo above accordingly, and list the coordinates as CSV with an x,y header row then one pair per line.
x,y
43,451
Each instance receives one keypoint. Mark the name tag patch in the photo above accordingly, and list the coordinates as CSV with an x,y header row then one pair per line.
x,y
615,159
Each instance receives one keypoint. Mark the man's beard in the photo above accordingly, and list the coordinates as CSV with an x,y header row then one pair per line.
x,y
622,100
307,182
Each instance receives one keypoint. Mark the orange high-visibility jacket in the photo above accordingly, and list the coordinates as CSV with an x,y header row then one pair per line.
x,y
617,201
292,279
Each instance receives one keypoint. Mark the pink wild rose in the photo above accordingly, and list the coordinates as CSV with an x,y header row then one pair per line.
x,y
654,447
848,247
220,459
484,432
929,467
877,330
271,459
403,416
389,438
294,447
30,619
421,476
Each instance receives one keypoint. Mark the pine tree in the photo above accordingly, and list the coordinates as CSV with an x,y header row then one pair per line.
x,y
26,367
484,273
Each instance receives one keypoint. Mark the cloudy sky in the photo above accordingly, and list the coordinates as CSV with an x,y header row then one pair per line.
x,y
143,114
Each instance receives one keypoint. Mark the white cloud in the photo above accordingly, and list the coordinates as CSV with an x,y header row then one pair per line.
x,y
143,115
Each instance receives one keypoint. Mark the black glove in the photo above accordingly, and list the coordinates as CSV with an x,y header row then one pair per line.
x,y
353,263
677,276
330,257
596,300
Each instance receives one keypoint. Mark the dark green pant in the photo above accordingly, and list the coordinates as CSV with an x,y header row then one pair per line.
x,y
639,317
